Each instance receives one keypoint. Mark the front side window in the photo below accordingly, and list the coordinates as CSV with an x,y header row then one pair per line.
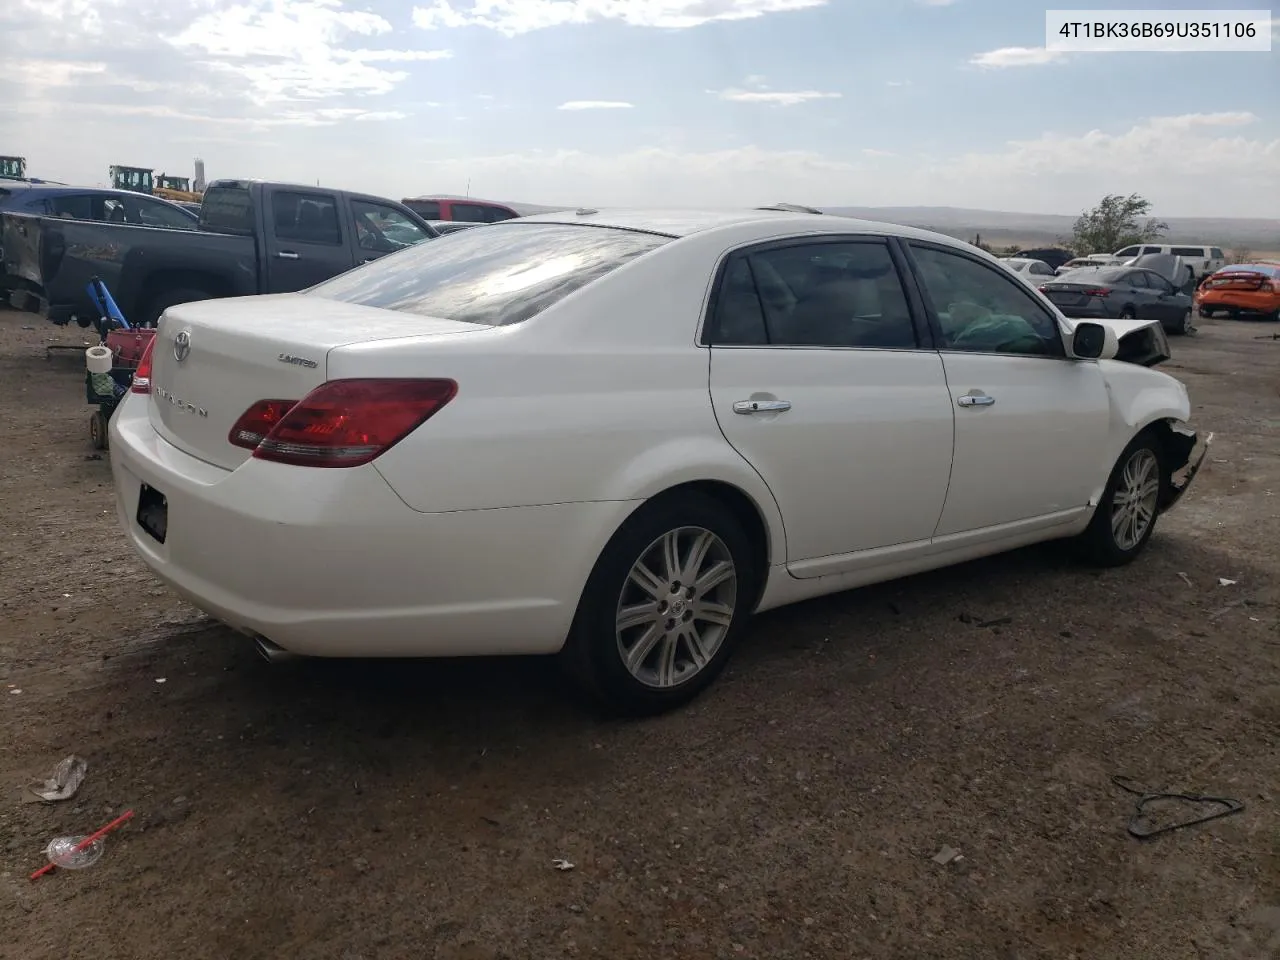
x,y
982,310
384,229
1128,252
505,274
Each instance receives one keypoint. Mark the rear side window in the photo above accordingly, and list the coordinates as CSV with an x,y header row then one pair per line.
x,y
504,274
834,294
306,218
1187,251
227,209
72,206
1127,252
426,209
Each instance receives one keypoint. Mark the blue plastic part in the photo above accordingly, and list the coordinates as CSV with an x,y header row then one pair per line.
x,y
104,303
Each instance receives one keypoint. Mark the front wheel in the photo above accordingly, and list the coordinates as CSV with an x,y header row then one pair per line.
x,y
663,607
1126,515
1183,326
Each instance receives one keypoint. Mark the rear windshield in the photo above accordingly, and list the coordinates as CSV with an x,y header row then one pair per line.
x,y
505,273
227,208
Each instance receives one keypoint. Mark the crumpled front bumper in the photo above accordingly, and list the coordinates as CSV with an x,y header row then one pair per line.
x,y
1188,449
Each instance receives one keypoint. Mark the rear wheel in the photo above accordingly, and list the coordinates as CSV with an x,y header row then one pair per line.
x,y
1126,515
663,607
171,298
1183,325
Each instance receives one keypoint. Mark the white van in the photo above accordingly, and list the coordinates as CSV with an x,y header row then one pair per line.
x,y
1201,259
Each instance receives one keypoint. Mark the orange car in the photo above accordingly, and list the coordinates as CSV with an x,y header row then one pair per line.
x,y
1250,289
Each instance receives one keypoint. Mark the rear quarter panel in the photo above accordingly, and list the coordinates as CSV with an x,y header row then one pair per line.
x,y
603,397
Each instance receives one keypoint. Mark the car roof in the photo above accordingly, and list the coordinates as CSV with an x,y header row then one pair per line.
x,y
455,199
687,222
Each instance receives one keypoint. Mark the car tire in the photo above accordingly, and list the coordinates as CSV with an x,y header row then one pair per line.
x,y
665,672
1205,312
1117,533
1183,326
171,298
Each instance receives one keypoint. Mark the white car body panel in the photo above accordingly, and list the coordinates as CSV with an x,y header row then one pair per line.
x,y
841,443
476,533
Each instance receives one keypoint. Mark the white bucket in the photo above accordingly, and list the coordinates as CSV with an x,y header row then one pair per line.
x,y
98,359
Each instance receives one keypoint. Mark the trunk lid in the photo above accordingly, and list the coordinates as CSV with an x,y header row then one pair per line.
x,y
238,351
1071,294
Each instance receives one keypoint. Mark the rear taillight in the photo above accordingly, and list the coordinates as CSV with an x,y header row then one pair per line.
x,y
344,423
142,376
256,422
1097,292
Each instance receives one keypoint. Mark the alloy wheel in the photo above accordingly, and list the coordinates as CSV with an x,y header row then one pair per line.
x,y
1133,507
676,607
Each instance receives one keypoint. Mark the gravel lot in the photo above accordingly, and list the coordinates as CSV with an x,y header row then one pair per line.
x,y
357,810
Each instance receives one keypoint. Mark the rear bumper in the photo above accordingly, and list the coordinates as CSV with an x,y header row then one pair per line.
x,y
1240,302
330,562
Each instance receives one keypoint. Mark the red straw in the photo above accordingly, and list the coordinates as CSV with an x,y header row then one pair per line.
x,y
97,834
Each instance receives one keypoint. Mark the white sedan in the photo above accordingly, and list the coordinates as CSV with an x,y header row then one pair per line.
x,y
616,435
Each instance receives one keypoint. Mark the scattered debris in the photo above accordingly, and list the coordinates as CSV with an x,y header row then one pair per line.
x,y
947,855
76,853
1226,806
15,690
1186,580
61,784
1224,582
997,622
562,864
161,679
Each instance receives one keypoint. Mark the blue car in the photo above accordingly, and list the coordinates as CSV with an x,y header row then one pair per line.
x,y
93,203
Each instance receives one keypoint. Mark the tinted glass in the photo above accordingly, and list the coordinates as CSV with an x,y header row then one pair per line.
x,y
306,218
739,316
1187,251
980,308
833,295
227,209
1127,252
505,274
1110,276
72,206
384,229
1217,254
152,214
470,212
426,209
1135,278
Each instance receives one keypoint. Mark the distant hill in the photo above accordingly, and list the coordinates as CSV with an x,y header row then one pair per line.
x,y
1042,229
1003,228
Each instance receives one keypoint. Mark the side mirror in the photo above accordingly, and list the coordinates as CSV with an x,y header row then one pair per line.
x,y
1094,341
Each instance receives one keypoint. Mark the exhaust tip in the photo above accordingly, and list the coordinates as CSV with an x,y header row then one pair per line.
x,y
270,652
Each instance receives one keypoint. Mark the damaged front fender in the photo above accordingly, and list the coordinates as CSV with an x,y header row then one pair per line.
x,y
1185,453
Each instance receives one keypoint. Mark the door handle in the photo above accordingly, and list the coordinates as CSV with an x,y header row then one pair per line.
x,y
287,255
761,406
976,400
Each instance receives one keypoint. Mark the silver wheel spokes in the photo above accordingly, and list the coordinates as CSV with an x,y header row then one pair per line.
x,y
1133,508
676,606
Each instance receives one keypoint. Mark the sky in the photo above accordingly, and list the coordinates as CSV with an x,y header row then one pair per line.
x,y
641,102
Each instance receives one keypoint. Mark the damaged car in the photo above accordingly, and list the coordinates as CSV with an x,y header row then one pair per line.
x,y
615,436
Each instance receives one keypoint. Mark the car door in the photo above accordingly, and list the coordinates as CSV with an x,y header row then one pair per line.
x,y
1029,421
381,229
1134,288
1169,303
306,240
820,381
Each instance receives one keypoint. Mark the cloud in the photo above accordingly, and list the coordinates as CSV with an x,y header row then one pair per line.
x,y
293,49
777,97
1016,57
872,152
595,105
897,83
514,17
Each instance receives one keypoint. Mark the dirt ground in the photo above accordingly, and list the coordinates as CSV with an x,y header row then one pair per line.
x,y
355,810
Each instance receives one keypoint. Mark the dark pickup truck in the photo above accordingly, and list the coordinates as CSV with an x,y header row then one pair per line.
x,y
253,237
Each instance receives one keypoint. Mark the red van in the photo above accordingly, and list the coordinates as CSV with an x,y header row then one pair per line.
x,y
461,209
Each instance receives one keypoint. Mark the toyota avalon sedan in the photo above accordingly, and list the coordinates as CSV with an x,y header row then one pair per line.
x,y
614,436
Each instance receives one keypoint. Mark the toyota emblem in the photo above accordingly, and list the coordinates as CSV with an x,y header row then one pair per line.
x,y
181,346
